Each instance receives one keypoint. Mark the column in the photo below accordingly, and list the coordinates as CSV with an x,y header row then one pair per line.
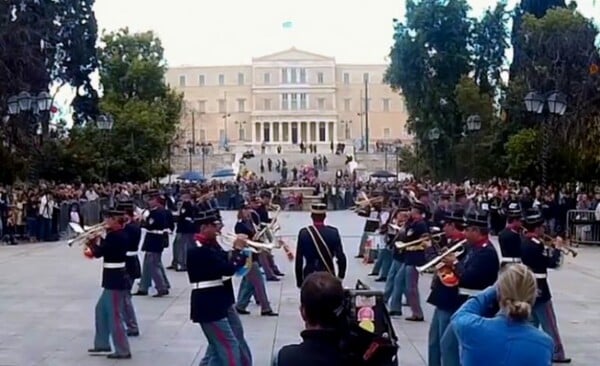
x,y
335,133
326,126
308,137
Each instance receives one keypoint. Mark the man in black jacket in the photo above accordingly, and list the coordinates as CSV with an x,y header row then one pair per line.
x,y
320,297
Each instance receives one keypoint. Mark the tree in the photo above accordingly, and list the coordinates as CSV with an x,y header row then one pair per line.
x,y
145,110
434,49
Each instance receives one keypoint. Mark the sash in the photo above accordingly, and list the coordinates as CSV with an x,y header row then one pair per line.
x,y
321,247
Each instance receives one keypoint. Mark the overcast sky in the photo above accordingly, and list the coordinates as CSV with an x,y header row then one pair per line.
x,y
230,32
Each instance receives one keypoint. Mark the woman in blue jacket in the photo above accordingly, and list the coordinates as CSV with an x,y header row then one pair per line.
x,y
509,338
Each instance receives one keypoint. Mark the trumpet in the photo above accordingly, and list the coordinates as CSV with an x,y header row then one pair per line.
x,y
457,249
421,241
254,246
86,235
560,244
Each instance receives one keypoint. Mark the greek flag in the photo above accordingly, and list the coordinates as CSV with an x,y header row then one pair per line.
x,y
287,24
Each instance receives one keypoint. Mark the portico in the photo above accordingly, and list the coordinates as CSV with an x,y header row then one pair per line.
x,y
294,132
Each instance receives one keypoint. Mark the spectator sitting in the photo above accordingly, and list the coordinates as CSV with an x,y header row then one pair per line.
x,y
321,294
508,338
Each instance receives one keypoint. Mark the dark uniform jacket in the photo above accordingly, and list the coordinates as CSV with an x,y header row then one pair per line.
x,y
263,214
246,228
538,258
415,256
478,269
113,249
308,259
185,221
442,296
320,347
510,246
132,263
210,262
157,222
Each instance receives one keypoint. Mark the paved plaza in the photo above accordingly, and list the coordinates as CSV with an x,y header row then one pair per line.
x,y
48,293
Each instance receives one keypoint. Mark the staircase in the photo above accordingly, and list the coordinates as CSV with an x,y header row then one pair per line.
x,y
298,160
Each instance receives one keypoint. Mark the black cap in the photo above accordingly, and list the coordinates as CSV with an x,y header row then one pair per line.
x,y
533,219
476,220
318,208
457,218
208,217
113,213
514,211
418,205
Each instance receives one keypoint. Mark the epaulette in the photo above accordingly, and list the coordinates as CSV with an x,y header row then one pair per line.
x,y
536,240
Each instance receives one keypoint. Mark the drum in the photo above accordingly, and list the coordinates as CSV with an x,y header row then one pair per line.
x,y
371,226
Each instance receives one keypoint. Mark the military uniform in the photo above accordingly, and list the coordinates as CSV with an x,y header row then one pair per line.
x,y
111,304
414,256
185,235
476,270
393,291
497,215
316,248
538,257
210,269
261,219
132,265
384,251
157,226
510,238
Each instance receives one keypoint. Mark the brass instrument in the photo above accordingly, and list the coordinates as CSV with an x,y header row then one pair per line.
x,y
365,202
254,246
560,244
269,230
87,234
421,241
457,249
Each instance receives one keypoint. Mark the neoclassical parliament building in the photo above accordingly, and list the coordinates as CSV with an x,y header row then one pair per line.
x,y
286,98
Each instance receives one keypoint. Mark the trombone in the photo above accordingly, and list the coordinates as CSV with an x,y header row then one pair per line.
x,y
254,246
87,234
560,244
364,201
421,241
457,249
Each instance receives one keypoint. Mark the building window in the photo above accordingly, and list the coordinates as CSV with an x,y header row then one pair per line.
x,y
267,104
346,78
182,80
346,105
320,78
202,106
221,79
221,105
202,135
240,79
386,105
201,80
267,78
284,76
241,105
386,133
294,77
285,102
303,102
366,77
294,102
302,76
321,103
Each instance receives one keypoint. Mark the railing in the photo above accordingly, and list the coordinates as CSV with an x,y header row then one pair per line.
x,y
583,227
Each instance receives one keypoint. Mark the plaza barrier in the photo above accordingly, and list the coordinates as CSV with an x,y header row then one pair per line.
x,y
583,227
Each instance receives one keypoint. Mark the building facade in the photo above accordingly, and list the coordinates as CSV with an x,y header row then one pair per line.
x,y
287,98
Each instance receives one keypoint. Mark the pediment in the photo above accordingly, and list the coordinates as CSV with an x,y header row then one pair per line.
x,y
293,54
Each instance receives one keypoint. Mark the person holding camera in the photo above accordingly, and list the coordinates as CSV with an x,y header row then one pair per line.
x,y
321,297
508,338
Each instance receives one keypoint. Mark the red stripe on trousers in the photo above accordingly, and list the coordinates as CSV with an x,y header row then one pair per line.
x,y
223,342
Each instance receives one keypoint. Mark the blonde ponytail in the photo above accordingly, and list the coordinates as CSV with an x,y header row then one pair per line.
x,y
517,290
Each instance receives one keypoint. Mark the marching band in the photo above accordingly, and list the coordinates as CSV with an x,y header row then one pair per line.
x,y
461,256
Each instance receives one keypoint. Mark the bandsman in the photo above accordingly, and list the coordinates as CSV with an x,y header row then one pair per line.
x,y
396,278
510,237
317,246
539,257
210,269
185,233
477,270
115,283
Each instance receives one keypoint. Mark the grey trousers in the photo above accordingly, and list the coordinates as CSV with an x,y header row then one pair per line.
x,y
153,271
129,316
109,321
183,241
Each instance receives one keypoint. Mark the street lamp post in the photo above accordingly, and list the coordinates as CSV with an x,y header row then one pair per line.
x,y
557,105
105,124
241,125
397,149
226,137
433,135
473,125
190,148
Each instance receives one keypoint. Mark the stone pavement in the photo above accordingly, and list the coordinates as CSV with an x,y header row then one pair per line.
x,y
48,293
